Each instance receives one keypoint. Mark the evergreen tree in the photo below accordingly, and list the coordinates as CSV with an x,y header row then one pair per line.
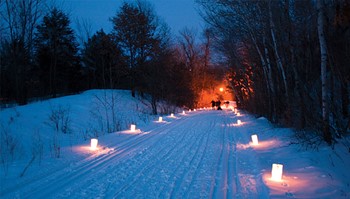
x,y
102,58
136,30
56,52
14,71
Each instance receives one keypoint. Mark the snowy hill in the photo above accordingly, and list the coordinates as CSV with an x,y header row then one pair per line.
x,y
88,111
199,154
42,128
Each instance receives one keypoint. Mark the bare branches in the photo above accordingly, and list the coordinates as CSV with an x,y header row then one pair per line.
x,y
59,119
279,40
84,29
21,17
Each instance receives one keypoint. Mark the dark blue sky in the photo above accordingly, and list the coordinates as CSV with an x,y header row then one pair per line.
x,y
176,13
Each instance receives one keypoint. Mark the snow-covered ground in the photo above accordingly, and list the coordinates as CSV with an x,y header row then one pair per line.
x,y
200,154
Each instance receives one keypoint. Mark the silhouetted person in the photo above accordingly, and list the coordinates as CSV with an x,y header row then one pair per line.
x,y
212,103
218,103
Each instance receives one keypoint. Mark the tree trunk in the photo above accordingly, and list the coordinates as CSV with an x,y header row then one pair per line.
x,y
268,75
272,85
323,50
154,105
277,56
345,99
110,76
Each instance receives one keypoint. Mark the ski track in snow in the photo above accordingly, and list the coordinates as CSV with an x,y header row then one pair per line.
x,y
194,156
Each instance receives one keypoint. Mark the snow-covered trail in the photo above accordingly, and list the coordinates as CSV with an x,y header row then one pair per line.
x,y
198,155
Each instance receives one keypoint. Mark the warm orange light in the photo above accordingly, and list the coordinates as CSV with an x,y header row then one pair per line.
x,y
255,140
277,171
93,144
221,89
133,128
238,114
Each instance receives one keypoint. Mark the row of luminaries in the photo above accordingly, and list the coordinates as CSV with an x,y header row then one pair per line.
x,y
94,141
277,169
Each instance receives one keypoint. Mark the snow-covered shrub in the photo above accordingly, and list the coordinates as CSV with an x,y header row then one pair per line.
x,y
143,112
166,108
9,146
37,146
104,113
59,119
86,133
37,151
55,146
308,139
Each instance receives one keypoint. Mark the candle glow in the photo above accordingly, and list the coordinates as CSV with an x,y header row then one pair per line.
x,y
276,173
133,128
94,142
255,140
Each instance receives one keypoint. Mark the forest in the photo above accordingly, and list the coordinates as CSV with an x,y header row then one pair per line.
x,y
286,60
43,57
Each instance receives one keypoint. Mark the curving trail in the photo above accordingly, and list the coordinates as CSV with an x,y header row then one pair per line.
x,y
193,156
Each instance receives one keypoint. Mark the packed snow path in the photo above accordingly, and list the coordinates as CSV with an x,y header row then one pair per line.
x,y
202,154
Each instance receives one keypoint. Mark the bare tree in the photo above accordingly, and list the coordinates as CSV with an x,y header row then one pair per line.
x,y
21,17
281,41
196,55
84,29
276,52
189,48
325,92
191,54
18,19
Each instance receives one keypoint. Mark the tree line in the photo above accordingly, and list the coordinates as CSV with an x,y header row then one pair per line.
x,y
40,56
289,60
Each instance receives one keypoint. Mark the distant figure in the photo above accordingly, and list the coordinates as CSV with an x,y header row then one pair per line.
x,y
218,103
212,103
227,103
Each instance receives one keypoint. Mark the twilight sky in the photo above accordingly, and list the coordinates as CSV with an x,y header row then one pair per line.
x,y
176,13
